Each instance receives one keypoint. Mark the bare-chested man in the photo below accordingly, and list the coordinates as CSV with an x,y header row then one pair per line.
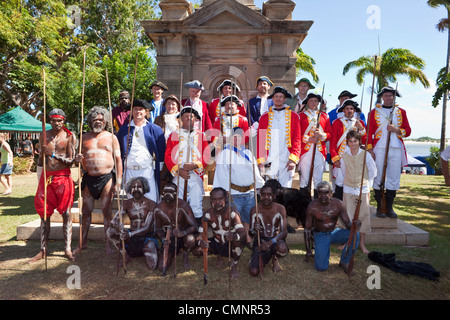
x,y
59,150
184,231
98,155
226,231
322,216
270,220
140,239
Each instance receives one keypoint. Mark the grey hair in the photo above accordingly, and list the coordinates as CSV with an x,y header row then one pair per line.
x,y
144,182
325,184
94,112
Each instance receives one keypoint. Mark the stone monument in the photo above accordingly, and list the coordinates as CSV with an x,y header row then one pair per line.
x,y
225,39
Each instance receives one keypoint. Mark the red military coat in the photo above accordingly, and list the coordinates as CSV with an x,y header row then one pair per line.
x,y
292,131
199,151
308,128
338,141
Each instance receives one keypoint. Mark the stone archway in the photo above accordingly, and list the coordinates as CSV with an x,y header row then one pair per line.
x,y
216,75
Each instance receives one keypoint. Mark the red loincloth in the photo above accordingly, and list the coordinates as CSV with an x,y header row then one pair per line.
x,y
60,192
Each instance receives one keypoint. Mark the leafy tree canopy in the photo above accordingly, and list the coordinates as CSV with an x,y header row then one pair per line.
x,y
55,35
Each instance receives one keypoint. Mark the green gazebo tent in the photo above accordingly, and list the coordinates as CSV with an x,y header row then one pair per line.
x,y
19,120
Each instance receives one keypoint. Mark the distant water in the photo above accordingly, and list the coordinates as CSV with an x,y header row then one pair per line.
x,y
419,149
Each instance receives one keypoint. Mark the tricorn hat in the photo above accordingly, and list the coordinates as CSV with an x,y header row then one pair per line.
x,y
305,80
312,95
264,78
230,83
347,93
388,89
347,103
142,103
280,90
159,84
194,84
188,109
232,98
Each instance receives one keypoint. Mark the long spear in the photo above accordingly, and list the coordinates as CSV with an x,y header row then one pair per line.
x,y
44,168
352,237
128,143
261,269
80,196
115,167
205,250
311,170
178,180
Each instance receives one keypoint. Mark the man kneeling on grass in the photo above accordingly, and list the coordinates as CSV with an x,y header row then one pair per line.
x,y
321,217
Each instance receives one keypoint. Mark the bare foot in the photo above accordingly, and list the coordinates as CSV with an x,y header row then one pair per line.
x,y
37,257
276,266
78,250
69,255
364,250
109,251
234,272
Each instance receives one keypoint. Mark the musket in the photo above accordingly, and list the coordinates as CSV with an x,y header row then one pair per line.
x,y
115,166
80,192
311,170
205,250
383,207
353,231
129,121
358,116
261,268
178,180
44,172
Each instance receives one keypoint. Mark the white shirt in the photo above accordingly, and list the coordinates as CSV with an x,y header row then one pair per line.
x,y
371,169
279,152
384,118
171,122
139,154
241,170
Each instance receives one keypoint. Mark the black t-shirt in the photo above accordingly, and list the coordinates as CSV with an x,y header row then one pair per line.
x,y
27,147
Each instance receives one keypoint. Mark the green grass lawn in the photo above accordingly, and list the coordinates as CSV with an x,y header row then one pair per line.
x,y
423,201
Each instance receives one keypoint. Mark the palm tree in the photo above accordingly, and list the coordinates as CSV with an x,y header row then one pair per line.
x,y
442,82
305,63
390,64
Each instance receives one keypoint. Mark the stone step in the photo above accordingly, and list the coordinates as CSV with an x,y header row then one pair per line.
x,y
404,234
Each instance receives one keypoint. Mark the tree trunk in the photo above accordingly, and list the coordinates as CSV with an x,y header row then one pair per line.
x,y
444,103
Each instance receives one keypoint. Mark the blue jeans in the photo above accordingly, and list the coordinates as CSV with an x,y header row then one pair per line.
x,y
244,203
322,242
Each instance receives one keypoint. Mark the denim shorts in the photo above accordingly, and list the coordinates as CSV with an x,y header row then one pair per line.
x,y
6,169
244,203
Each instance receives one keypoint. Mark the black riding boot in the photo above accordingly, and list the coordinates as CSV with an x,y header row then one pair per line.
x,y
390,196
338,192
377,196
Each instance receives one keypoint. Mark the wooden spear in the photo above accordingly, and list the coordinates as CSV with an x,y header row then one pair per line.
x,y
115,167
80,195
44,172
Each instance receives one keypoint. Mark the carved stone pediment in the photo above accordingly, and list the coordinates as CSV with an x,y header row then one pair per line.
x,y
229,13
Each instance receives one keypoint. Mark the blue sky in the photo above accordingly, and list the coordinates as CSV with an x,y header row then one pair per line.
x,y
340,34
